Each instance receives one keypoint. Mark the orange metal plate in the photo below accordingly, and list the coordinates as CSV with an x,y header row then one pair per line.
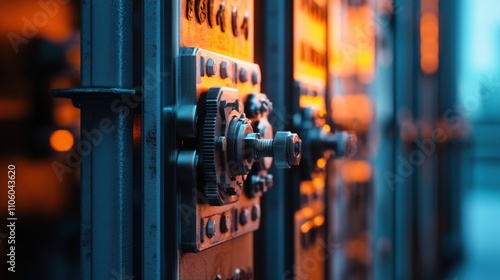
x,y
201,24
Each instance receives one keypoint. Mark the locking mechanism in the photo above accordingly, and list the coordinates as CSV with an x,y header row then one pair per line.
x,y
317,142
226,147
229,146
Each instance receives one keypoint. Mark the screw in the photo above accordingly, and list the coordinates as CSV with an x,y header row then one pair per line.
x,y
211,67
211,228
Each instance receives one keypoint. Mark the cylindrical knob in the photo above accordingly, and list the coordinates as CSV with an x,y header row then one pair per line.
x,y
344,144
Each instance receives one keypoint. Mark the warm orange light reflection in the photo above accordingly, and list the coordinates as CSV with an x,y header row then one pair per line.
x,y
317,103
61,140
47,19
65,114
352,109
356,53
358,249
429,43
356,171
319,220
321,163
306,227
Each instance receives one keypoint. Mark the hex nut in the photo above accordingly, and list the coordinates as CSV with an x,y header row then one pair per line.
x,y
223,70
211,67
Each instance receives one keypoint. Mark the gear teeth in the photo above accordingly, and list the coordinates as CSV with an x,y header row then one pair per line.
x,y
208,148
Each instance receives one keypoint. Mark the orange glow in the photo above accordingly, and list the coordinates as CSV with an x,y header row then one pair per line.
x,y
307,211
13,108
29,19
356,171
321,163
429,43
66,114
306,227
352,110
61,140
306,187
317,103
327,128
309,41
352,44
319,220
358,249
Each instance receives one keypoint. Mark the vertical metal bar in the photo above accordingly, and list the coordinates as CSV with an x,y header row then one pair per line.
x,y
152,213
272,35
107,169
160,224
405,85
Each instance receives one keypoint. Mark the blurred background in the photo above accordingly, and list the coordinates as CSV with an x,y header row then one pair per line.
x,y
39,51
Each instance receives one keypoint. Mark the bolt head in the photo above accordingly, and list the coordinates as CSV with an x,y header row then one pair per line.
x,y
211,228
294,146
243,75
255,77
244,217
223,69
211,67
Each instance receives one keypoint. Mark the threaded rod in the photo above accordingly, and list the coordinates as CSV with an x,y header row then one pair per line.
x,y
264,148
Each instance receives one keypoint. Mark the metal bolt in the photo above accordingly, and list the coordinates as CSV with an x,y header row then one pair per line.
x,y
286,149
211,67
244,217
211,228
243,75
255,77
344,144
255,212
223,69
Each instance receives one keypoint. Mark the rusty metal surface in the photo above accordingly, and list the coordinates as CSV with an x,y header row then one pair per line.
x,y
223,260
309,41
225,27
198,76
